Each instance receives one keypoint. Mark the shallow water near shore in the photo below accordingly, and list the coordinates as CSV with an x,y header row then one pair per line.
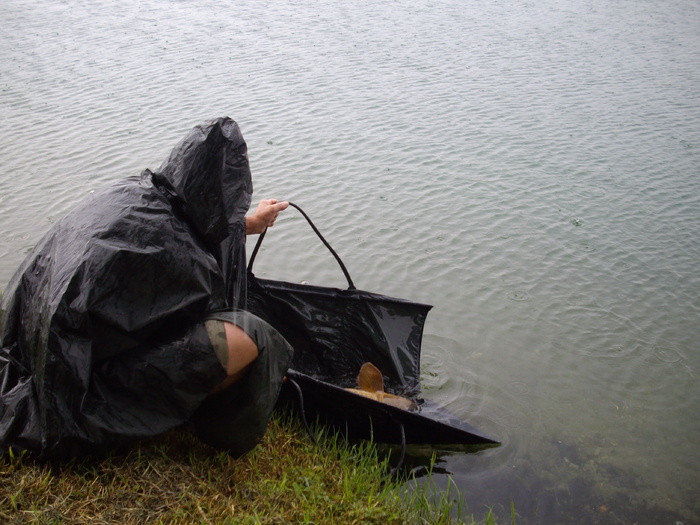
x,y
532,170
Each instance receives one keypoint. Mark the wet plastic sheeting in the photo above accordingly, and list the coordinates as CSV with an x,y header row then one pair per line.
x,y
335,331
361,417
102,340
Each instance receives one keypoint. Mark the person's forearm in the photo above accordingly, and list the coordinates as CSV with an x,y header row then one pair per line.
x,y
253,225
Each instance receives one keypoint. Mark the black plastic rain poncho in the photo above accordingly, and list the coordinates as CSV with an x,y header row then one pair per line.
x,y
102,334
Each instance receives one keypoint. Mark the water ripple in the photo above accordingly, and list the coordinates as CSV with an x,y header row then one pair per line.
x,y
529,170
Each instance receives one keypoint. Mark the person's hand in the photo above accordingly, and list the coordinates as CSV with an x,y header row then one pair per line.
x,y
264,216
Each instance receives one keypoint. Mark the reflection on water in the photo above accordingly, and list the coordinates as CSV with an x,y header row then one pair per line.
x,y
530,169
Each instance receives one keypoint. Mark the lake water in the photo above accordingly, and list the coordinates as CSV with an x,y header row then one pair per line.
x,y
532,169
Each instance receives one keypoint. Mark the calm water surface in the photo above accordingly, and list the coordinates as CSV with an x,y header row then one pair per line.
x,y
530,168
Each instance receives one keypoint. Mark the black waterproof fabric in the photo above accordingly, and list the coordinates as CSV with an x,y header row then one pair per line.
x,y
334,332
101,333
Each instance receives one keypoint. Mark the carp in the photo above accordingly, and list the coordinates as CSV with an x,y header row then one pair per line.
x,y
370,383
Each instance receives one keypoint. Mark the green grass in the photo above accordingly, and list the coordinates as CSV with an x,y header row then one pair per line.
x,y
175,479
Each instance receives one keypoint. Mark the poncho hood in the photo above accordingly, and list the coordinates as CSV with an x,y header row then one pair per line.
x,y
209,175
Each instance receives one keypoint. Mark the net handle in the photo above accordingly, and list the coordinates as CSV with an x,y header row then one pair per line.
x,y
351,285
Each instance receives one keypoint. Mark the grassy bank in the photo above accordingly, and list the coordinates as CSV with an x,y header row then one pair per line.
x,y
176,479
